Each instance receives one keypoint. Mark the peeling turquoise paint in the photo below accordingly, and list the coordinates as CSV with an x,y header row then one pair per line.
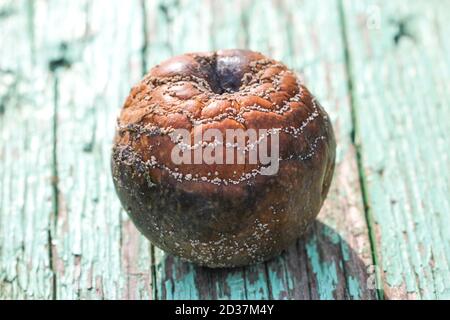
x,y
332,235
354,288
345,251
400,105
325,272
61,220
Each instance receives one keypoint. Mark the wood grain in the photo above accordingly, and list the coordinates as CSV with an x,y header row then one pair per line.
x,y
337,251
26,157
333,260
87,55
95,253
400,69
381,70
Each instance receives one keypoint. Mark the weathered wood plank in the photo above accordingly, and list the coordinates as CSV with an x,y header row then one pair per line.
x,y
60,88
26,160
93,50
336,254
186,26
400,70
331,261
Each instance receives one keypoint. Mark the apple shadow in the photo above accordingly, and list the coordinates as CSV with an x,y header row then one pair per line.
x,y
320,265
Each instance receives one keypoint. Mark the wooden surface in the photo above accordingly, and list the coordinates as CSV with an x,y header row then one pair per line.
x,y
380,68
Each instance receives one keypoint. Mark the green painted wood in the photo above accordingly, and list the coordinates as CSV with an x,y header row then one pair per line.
x,y
71,68
400,69
26,159
333,259
97,252
383,67
183,30
336,254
